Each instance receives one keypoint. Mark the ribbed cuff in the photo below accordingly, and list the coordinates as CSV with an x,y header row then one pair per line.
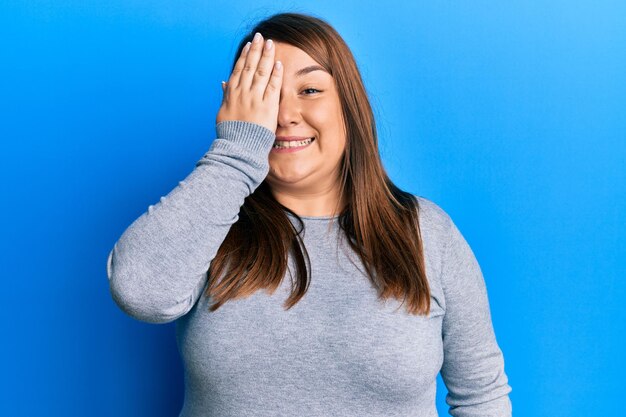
x,y
249,135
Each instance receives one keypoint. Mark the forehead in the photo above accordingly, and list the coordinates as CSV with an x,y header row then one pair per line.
x,y
297,63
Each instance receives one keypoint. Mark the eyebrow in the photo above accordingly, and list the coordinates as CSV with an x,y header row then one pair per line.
x,y
308,69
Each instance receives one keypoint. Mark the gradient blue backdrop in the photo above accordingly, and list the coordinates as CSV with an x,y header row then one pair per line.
x,y
509,115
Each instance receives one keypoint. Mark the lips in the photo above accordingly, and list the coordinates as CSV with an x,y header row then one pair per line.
x,y
292,138
291,146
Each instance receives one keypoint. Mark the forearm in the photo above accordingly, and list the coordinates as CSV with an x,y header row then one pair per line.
x,y
158,267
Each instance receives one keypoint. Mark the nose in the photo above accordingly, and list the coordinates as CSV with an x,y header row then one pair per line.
x,y
288,111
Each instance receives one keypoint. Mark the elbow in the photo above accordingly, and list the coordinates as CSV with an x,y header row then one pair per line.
x,y
493,401
146,311
132,295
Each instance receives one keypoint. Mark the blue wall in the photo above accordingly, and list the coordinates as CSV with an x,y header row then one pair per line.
x,y
509,115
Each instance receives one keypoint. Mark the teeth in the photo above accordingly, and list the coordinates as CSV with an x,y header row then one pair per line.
x,y
291,144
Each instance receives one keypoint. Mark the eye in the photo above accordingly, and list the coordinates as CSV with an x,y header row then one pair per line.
x,y
311,89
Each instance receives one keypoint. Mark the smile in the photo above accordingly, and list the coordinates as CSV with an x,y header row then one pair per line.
x,y
291,146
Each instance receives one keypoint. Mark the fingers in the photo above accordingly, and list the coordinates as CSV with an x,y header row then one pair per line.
x,y
223,90
254,72
252,61
272,92
239,65
264,68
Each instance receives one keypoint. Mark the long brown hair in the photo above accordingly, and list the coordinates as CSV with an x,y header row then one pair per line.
x,y
379,220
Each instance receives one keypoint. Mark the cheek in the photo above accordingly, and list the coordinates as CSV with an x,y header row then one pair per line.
x,y
332,147
325,115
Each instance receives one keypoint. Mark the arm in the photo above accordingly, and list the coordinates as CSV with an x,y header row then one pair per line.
x,y
158,267
473,365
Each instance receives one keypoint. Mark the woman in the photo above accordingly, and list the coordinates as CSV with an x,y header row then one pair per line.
x,y
336,341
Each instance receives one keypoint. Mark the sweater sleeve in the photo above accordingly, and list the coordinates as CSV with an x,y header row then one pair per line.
x,y
473,365
158,267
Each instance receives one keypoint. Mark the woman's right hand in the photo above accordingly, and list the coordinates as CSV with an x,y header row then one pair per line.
x,y
253,90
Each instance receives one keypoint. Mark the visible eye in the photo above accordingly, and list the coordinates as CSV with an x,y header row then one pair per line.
x,y
311,89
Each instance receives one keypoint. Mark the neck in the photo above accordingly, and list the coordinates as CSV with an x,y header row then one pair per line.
x,y
318,202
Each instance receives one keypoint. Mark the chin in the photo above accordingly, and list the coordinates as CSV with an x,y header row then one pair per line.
x,y
273,177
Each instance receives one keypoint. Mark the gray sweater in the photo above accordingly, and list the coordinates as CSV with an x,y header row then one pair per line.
x,y
338,351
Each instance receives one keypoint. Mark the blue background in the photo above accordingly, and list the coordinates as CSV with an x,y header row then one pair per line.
x,y
509,115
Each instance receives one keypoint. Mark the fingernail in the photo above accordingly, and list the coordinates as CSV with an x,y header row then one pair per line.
x,y
268,45
279,65
245,48
257,37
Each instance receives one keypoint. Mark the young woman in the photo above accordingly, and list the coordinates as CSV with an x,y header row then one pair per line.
x,y
293,185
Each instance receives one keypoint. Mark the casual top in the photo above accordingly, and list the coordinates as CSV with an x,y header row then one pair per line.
x,y
339,351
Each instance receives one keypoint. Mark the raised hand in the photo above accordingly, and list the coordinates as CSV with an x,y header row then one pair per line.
x,y
253,90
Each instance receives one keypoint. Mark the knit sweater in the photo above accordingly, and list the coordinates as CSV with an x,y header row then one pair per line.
x,y
339,351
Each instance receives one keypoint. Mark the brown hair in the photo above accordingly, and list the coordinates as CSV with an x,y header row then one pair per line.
x,y
380,220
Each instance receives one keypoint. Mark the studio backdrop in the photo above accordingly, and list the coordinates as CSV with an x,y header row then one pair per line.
x,y
509,115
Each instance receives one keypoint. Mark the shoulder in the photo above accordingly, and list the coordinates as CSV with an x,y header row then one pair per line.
x,y
433,218
434,224
443,242
440,226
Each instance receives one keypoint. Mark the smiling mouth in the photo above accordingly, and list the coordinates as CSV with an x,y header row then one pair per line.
x,y
292,143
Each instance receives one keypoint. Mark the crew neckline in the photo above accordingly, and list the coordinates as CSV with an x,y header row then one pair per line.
x,y
315,217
